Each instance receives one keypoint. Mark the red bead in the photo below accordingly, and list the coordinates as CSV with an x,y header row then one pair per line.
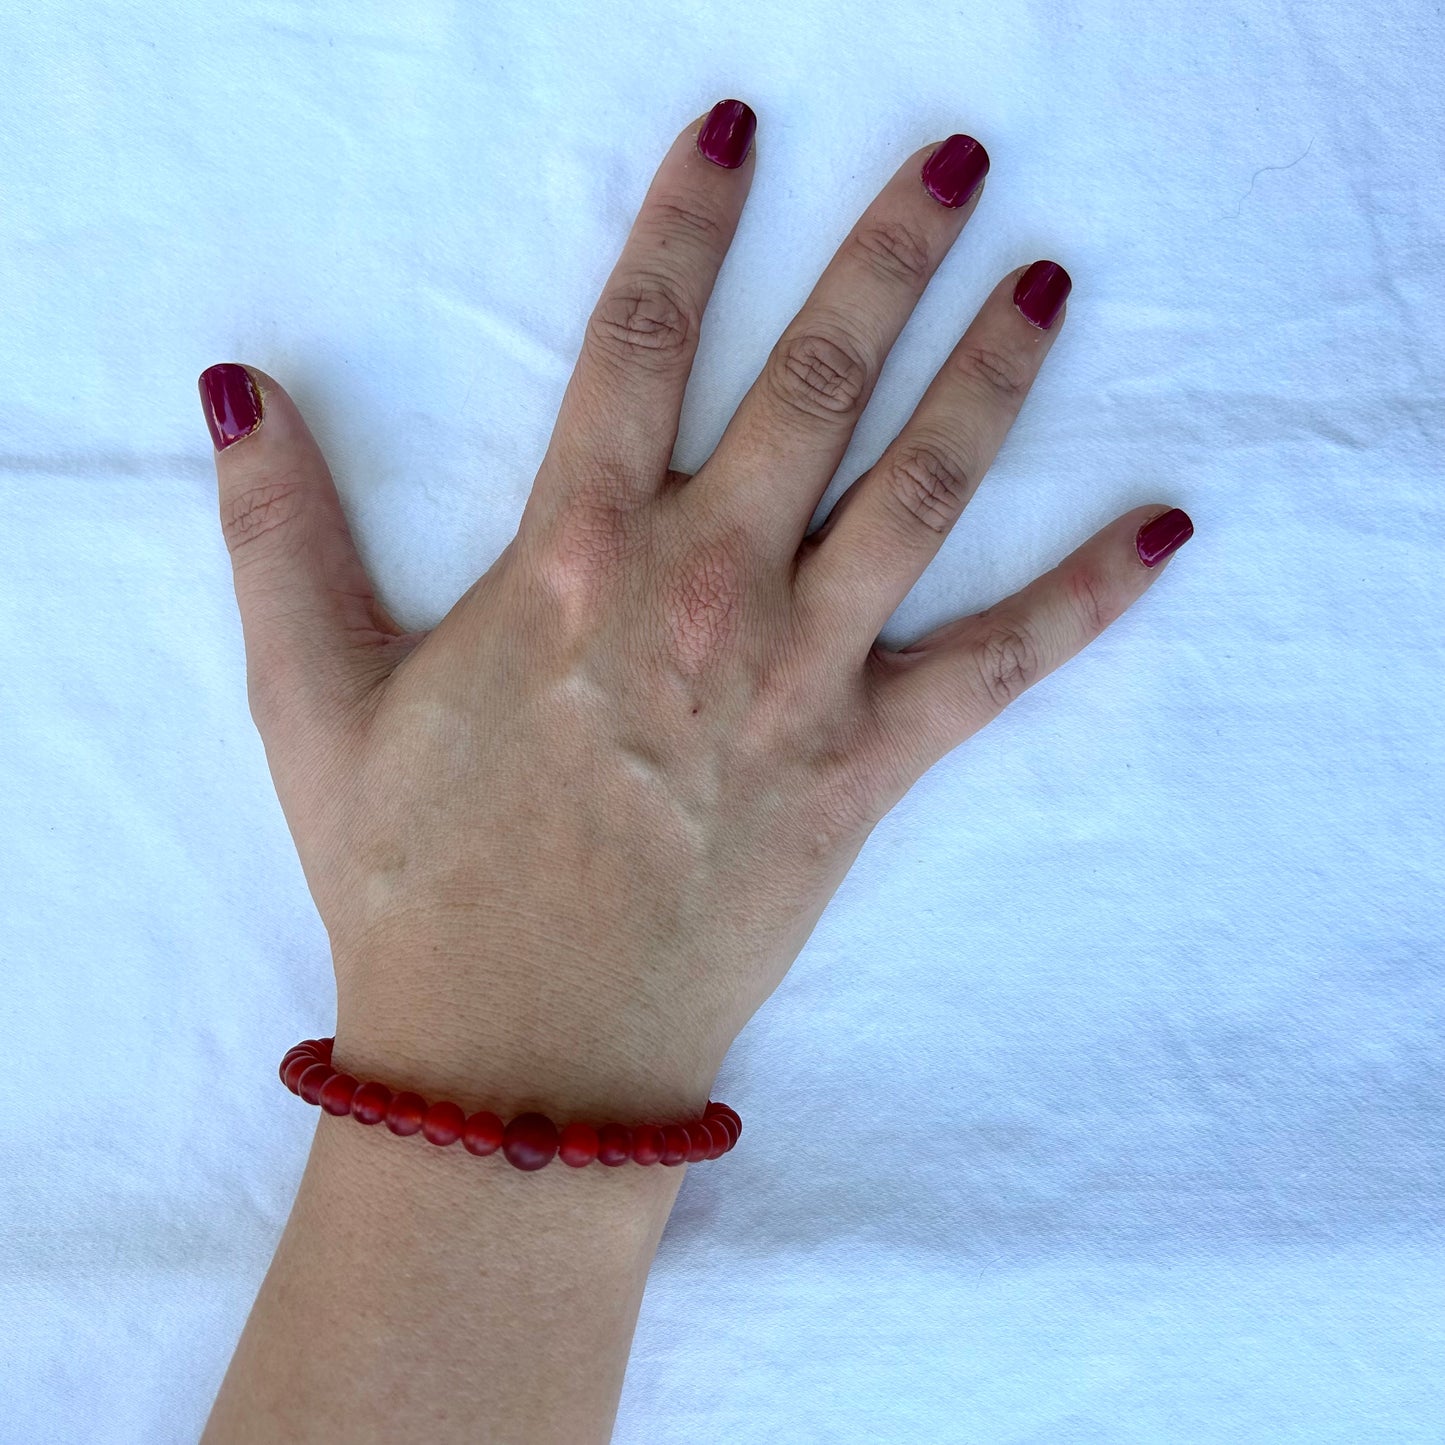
x,y
614,1144
722,1141
482,1134
530,1141
370,1103
443,1124
700,1141
292,1056
336,1095
675,1144
312,1079
405,1113
320,1047
646,1144
727,1111
577,1145
728,1116
293,1071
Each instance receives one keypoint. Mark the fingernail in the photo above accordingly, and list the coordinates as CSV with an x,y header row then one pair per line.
x,y
727,133
955,170
1166,534
1041,293
231,403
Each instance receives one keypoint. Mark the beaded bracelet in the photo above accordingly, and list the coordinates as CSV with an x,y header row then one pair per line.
x,y
530,1141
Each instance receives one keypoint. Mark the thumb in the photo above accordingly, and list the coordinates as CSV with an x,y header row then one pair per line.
x,y
316,637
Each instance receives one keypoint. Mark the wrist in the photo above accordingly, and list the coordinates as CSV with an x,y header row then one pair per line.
x,y
589,1074
621,1211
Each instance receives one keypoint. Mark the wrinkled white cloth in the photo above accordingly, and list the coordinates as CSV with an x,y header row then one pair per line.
x,y
1104,1105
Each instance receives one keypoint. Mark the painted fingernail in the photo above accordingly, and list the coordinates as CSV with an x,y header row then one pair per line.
x,y
231,403
1166,534
955,170
727,133
1041,293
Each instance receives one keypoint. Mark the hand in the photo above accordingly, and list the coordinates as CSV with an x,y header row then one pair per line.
x,y
567,842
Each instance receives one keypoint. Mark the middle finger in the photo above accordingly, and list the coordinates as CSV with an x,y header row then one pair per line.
x,y
783,445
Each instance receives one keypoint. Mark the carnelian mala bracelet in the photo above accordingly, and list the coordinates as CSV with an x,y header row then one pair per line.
x,y
530,1141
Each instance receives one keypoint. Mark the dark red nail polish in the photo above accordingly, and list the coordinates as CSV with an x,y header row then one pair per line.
x,y
231,403
1041,293
727,133
955,170
1166,534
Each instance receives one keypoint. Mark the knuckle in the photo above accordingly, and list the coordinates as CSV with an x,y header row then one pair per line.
x,y
895,252
673,222
586,545
1093,599
1008,660
255,511
816,376
926,487
646,324
999,375
704,601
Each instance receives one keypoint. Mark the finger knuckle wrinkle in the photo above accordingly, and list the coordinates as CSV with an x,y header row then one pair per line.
x,y
646,324
703,610
1008,662
1093,599
587,544
895,252
927,488
818,377
676,221
258,510
1005,376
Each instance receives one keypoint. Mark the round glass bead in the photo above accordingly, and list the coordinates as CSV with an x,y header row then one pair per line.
x,y
722,1141
292,1056
675,1144
482,1133
729,1118
370,1103
728,1112
313,1077
699,1141
405,1113
646,1144
442,1124
614,1145
577,1145
336,1094
293,1071
530,1141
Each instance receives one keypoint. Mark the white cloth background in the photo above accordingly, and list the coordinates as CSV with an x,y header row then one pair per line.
x,y
1104,1105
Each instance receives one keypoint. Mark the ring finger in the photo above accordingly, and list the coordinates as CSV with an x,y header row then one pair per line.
x,y
886,528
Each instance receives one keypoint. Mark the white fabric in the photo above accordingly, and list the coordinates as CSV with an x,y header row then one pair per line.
x,y
1104,1104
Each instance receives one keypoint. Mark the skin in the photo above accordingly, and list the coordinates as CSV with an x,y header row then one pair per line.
x,y
567,842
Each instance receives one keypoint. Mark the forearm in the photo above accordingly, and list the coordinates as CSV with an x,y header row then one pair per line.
x,y
424,1294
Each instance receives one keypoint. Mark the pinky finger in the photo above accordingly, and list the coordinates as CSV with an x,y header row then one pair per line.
x,y
937,692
